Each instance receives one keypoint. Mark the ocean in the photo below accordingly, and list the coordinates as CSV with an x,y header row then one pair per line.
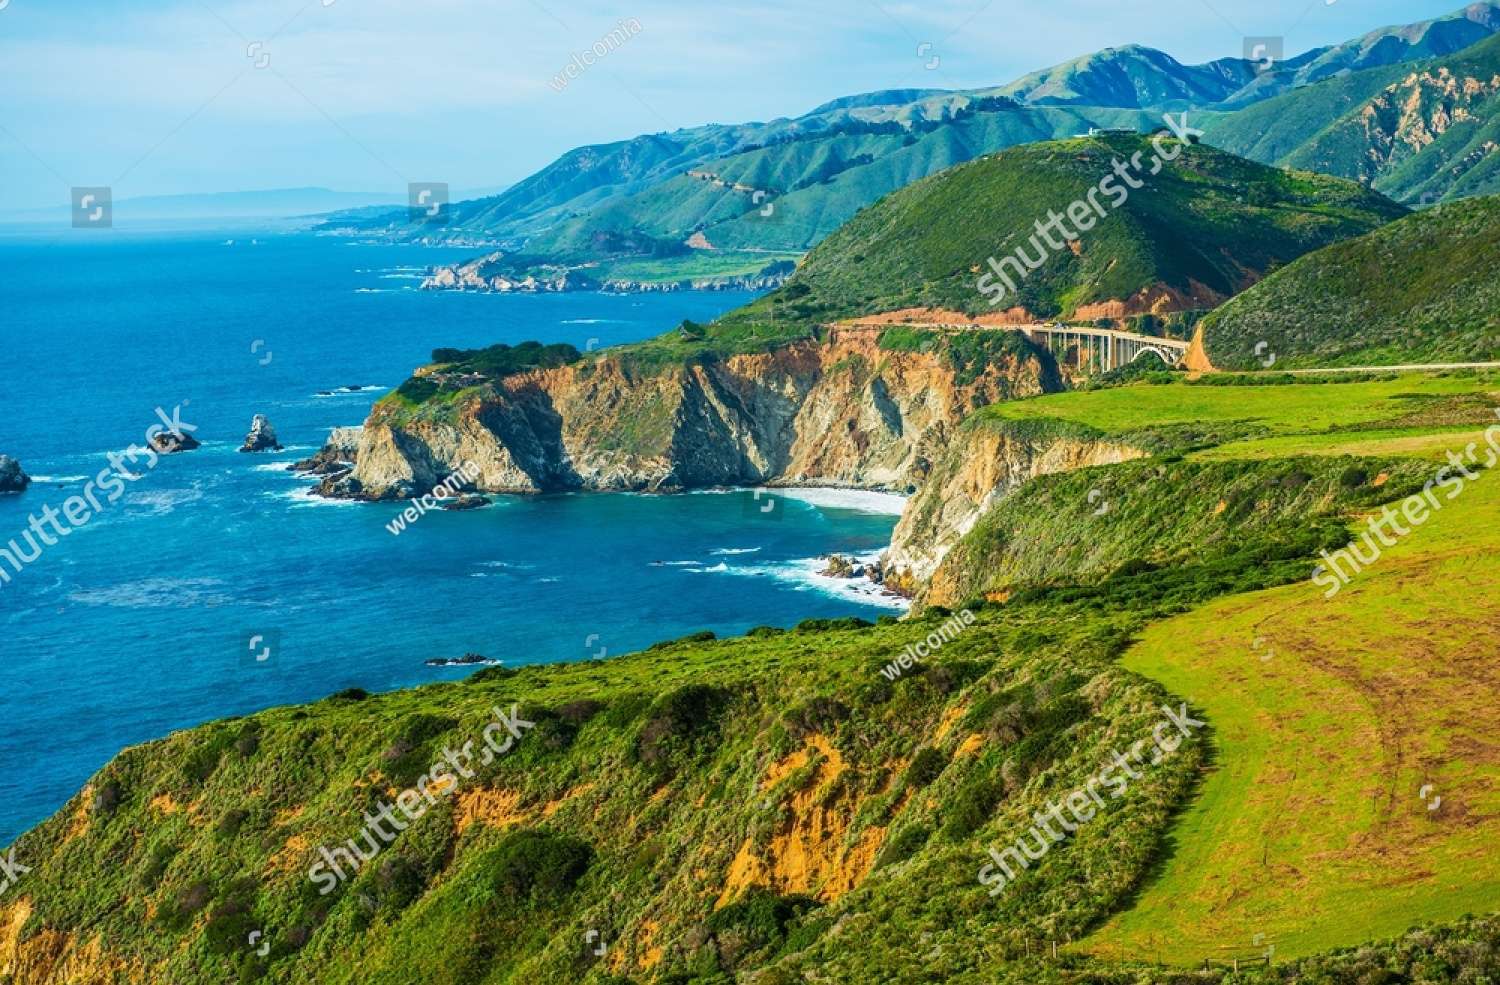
x,y
216,586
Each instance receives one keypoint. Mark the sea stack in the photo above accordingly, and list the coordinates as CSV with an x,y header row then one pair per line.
x,y
336,457
12,479
262,436
171,442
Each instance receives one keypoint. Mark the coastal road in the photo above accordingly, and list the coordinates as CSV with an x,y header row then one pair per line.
x,y
1403,368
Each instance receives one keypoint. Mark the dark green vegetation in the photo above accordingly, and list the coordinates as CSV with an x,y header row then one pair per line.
x,y
503,360
455,370
1421,290
1206,225
1421,132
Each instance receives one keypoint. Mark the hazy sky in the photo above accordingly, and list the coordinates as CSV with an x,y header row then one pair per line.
x,y
165,96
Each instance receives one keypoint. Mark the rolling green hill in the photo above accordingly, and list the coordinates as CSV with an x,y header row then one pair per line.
x,y
1202,229
1421,290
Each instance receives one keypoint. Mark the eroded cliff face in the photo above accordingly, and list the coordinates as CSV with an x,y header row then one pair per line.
x,y
835,412
985,463
1412,114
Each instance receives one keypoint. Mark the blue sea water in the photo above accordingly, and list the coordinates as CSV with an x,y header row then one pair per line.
x,y
140,621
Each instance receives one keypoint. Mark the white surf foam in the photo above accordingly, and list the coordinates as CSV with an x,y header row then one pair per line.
x,y
307,497
854,500
805,575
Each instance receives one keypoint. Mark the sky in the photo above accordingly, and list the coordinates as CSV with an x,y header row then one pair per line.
x,y
156,97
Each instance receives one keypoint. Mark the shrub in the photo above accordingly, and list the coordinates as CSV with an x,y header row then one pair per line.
x,y
903,846
580,711
971,808
156,866
107,798
406,759
505,360
229,825
176,913
228,928
398,882
248,741
674,720
490,674
926,766
829,625
417,390
536,868
707,636
756,921
816,715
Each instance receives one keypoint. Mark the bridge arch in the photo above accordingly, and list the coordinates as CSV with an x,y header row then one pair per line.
x,y
1166,359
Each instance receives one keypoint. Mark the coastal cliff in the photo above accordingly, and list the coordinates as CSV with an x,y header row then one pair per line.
x,y
843,409
985,462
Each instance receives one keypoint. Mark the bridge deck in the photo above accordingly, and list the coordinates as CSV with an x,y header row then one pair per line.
x,y
1089,331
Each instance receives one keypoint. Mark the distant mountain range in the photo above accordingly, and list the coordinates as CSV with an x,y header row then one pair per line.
x,y
1421,132
783,185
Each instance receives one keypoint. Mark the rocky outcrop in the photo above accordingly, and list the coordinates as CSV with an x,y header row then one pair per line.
x,y
337,455
173,442
1410,115
12,478
482,275
466,502
262,436
988,459
490,274
841,411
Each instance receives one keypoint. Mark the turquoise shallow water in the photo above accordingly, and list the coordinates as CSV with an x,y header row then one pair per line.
x,y
138,622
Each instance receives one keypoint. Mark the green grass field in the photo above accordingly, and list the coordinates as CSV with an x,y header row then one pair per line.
x,y
1294,408
1426,443
1311,830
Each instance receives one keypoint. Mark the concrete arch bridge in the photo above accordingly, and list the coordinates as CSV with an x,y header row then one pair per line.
x,y
1088,349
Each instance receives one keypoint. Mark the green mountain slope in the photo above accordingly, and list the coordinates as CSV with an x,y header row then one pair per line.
x,y
788,197
1419,290
1273,130
1421,132
1202,229
1132,76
